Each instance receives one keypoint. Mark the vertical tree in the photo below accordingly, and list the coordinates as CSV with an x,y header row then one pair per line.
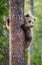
x,y
31,11
31,6
16,35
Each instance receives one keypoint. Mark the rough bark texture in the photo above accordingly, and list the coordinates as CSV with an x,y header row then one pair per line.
x,y
16,34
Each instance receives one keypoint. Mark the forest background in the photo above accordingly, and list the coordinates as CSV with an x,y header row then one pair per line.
x,y
36,56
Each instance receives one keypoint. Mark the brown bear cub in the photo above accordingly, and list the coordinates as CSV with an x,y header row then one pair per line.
x,y
27,27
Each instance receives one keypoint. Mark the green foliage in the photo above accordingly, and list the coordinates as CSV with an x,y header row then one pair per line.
x,y
36,56
3,34
3,8
37,42
26,57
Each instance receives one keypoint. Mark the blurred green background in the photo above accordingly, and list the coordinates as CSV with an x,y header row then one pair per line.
x,y
36,55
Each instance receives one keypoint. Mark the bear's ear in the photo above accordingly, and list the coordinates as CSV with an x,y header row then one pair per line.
x,y
26,15
35,18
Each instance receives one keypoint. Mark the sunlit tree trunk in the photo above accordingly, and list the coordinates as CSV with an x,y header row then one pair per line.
x,y
31,8
31,11
16,35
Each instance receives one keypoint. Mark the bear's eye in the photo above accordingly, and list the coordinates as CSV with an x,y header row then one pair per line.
x,y
29,21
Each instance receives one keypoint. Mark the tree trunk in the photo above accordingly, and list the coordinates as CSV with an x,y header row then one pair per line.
x,y
30,48
16,34
31,6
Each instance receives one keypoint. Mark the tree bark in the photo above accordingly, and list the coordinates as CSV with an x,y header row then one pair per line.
x,y
32,6
30,48
16,34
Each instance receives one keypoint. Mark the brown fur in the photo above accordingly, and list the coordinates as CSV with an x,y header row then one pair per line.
x,y
27,27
